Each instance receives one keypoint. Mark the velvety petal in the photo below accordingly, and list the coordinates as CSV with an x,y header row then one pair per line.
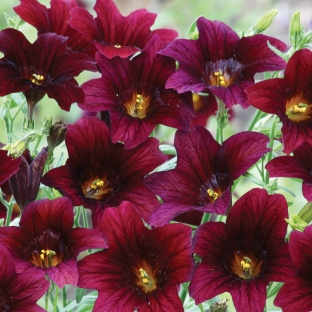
x,y
166,35
294,135
250,297
257,214
240,152
269,96
8,166
255,53
295,295
307,190
64,273
45,214
34,13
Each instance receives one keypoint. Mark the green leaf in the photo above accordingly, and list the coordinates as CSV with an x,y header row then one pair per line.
x,y
277,51
306,213
253,179
79,293
168,149
287,190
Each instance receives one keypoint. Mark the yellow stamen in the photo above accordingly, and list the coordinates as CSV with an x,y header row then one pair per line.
x,y
46,257
220,78
96,184
139,102
117,46
145,278
212,194
37,79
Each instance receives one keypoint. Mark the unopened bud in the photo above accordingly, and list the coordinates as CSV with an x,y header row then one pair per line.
x,y
264,22
296,223
56,135
219,306
17,148
46,125
296,31
306,213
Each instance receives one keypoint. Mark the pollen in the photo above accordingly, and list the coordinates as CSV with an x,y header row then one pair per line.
x,y
139,102
220,78
212,194
46,257
96,184
148,281
117,46
37,79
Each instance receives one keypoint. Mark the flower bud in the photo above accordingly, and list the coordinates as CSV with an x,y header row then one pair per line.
x,y
296,223
264,22
219,306
306,213
17,148
56,135
46,125
296,31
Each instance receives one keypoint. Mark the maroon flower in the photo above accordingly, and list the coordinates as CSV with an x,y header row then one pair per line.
x,y
290,98
296,293
297,166
142,269
8,166
134,93
204,173
44,67
114,34
19,292
54,20
99,173
221,62
25,183
244,255
46,241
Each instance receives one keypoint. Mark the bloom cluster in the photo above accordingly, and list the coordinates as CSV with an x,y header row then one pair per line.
x,y
132,223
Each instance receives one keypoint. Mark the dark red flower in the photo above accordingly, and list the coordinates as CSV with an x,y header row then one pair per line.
x,y
42,67
244,255
114,34
19,292
54,20
99,173
142,269
297,166
290,98
8,166
205,172
296,293
221,62
25,183
134,93
46,241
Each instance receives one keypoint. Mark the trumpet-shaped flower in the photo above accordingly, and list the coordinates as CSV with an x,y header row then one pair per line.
x,y
221,62
244,255
142,269
205,172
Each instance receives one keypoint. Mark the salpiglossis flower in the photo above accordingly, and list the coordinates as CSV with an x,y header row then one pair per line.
x,y
43,67
134,93
289,98
45,241
205,172
8,166
19,291
114,34
141,269
54,20
295,294
221,62
99,173
244,255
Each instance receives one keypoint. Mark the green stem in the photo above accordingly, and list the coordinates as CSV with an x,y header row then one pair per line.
x,y
271,144
64,296
46,300
205,218
213,217
222,119
55,299
183,294
85,219
255,119
77,216
9,214
194,227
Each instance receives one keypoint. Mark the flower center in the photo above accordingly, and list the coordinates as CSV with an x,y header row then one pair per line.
x,y
46,250
117,46
214,195
98,188
145,281
37,79
222,73
246,268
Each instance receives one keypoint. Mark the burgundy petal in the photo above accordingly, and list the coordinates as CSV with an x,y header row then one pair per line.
x,y
8,166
